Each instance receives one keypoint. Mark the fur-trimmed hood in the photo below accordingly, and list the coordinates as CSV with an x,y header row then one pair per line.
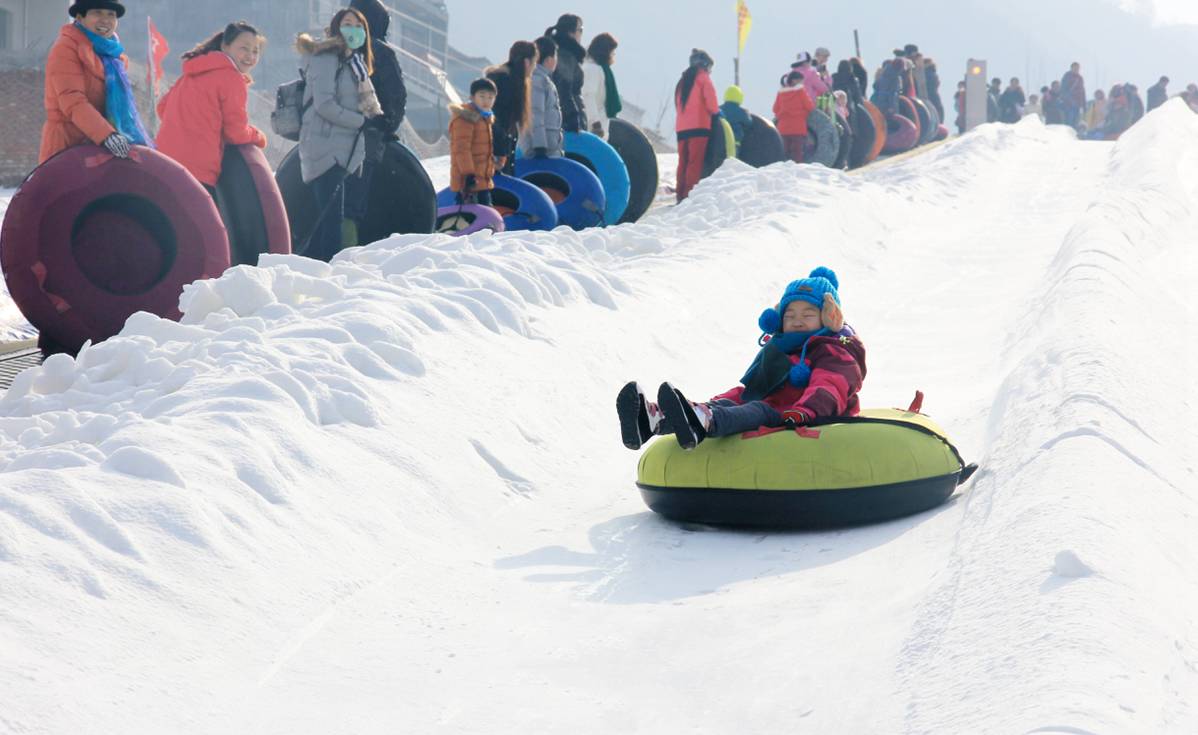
x,y
309,46
465,111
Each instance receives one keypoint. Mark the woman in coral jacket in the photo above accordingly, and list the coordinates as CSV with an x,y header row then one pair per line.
x,y
206,109
695,103
88,97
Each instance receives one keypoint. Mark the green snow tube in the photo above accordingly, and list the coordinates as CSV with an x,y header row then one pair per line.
x,y
883,464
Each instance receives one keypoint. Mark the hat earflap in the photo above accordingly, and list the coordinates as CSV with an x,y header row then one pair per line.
x,y
770,321
832,317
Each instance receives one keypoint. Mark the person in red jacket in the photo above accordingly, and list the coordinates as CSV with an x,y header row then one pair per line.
x,y
811,366
206,108
792,106
695,104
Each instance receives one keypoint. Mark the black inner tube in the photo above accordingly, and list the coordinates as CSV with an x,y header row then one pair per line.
x,y
240,208
124,244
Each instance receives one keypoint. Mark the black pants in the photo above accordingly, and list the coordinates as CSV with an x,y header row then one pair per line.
x,y
479,197
325,241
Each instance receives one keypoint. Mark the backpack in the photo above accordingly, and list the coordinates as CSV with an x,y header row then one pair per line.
x,y
288,115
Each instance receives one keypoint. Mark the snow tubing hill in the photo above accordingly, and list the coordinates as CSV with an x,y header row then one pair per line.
x,y
883,464
575,189
602,159
251,206
822,129
641,160
762,144
466,219
880,130
90,239
864,134
402,198
522,205
901,134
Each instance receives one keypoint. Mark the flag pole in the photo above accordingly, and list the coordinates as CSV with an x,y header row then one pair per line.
x,y
736,60
857,43
150,73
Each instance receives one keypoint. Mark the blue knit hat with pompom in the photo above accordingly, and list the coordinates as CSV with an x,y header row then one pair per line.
x,y
810,289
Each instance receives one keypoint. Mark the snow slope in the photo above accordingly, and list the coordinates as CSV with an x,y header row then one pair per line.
x,y
387,495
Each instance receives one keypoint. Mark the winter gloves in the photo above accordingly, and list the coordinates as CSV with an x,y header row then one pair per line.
x,y
117,145
469,183
368,101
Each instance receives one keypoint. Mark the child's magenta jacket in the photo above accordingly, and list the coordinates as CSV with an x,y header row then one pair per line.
x,y
837,365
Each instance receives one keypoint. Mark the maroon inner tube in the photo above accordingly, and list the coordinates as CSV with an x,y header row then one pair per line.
x,y
88,240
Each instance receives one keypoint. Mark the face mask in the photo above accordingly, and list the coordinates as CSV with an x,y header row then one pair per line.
x,y
354,37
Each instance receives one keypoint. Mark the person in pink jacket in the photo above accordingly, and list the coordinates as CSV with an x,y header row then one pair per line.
x,y
792,107
695,103
813,82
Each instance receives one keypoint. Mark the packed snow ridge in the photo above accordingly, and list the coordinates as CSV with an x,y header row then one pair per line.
x,y
387,493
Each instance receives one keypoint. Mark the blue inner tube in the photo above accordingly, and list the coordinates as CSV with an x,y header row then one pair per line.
x,y
582,201
525,207
597,154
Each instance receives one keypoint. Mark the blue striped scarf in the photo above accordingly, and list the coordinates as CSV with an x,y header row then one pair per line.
x,y
119,103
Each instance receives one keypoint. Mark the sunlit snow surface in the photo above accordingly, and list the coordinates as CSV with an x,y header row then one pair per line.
x,y
388,494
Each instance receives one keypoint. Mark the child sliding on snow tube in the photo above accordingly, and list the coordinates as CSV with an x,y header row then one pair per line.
x,y
811,366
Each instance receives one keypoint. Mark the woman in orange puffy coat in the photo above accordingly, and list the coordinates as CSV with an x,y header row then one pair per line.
x,y
206,109
695,104
88,98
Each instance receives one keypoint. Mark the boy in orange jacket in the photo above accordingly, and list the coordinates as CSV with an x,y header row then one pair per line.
x,y
791,108
472,162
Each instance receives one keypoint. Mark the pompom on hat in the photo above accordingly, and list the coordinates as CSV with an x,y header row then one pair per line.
x,y
819,289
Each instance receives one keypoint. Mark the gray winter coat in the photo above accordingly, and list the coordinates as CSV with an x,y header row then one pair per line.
x,y
545,127
332,122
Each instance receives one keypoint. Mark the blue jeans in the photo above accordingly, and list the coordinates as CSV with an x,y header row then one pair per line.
x,y
325,241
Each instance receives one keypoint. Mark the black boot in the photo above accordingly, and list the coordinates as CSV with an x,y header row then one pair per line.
x,y
633,409
680,414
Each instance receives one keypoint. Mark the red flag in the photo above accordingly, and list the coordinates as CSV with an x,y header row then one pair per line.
x,y
159,49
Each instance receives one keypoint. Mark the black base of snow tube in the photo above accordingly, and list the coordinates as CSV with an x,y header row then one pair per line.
x,y
822,136
89,239
634,147
402,198
717,148
845,130
799,508
927,121
251,206
864,133
762,143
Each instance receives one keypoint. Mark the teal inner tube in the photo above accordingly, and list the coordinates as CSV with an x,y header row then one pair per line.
x,y
597,154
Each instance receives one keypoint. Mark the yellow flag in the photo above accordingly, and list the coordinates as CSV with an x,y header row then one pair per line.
x,y
744,23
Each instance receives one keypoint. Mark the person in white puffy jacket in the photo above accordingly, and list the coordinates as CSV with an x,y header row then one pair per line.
x,y
599,89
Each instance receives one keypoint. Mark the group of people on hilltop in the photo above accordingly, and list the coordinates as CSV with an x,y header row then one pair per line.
x,y
354,102
1105,116
547,87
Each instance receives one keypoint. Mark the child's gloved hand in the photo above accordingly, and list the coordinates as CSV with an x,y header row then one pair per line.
x,y
800,374
469,183
795,417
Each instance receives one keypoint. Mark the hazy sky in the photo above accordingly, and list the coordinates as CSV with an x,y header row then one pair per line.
x,y
1114,40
